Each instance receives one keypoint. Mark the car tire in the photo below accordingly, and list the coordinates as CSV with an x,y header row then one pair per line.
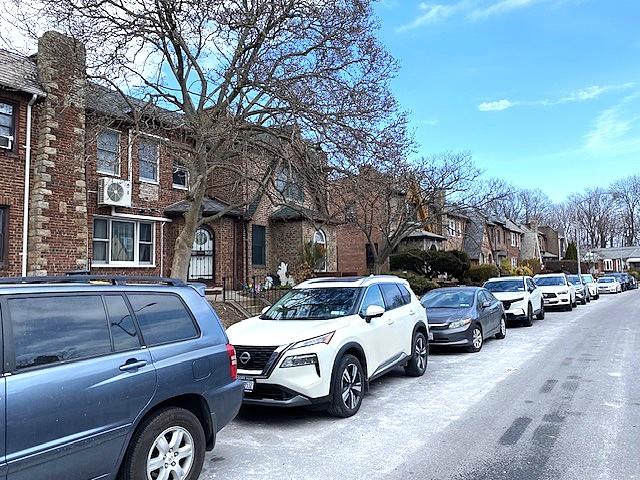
x,y
540,315
583,302
528,322
502,333
348,385
417,364
180,429
569,307
477,339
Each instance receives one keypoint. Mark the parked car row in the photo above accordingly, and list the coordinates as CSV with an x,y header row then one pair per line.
x,y
133,377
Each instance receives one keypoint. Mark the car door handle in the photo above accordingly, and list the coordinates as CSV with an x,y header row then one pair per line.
x,y
132,364
412,312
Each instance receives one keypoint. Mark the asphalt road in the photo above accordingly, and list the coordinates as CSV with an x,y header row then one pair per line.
x,y
559,400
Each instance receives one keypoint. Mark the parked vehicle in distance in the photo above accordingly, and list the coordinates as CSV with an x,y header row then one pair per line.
x,y
556,290
582,291
520,296
609,284
622,279
633,282
119,377
592,285
464,316
326,339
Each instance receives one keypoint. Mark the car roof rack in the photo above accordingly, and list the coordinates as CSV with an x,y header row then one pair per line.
x,y
92,279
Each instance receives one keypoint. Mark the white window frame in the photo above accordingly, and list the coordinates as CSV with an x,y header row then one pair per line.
x,y
514,262
176,166
452,228
607,264
514,242
157,141
14,125
136,241
118,170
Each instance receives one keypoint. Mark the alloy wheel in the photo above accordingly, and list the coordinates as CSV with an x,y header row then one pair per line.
x,y
171,455
503,327
351,386
477,338
421,352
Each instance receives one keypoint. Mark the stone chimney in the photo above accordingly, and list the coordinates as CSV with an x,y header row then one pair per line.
x,y
58,207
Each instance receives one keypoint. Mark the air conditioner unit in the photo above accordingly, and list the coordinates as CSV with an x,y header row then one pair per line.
x,y
115,192
6,142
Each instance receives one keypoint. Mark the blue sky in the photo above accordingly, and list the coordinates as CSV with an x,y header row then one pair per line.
x,y
544,93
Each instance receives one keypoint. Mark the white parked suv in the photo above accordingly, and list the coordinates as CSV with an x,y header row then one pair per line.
x,y
326,339
557,291
520,296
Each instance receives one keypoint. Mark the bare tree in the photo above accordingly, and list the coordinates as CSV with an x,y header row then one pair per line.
x,y
596,217
248,81
398,197
626,193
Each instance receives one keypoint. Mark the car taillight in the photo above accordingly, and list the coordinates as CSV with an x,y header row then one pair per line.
x,y
233,361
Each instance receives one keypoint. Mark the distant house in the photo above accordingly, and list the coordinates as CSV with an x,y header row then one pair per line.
x,y
617,259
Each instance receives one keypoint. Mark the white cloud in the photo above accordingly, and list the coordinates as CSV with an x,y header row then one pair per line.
x,y
495,106
432,13
499,8
581,95
616,129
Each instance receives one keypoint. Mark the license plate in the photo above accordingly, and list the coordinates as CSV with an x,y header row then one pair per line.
x,y
248,384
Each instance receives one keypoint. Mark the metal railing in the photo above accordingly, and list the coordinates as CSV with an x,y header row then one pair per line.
x,y
254,294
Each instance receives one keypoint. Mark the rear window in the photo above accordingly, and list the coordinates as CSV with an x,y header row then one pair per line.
x,y
56,329
162,318
392,295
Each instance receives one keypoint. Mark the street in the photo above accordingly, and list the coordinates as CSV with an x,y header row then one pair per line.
x,y
559,400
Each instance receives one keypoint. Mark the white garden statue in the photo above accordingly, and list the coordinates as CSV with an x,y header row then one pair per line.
x,y
285,279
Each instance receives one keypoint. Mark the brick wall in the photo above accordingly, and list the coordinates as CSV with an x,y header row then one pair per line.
x,y
12,185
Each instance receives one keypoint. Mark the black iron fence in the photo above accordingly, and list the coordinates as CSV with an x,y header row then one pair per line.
x,y
254,294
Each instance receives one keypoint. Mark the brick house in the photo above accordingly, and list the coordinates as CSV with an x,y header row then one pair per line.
x,y
106,196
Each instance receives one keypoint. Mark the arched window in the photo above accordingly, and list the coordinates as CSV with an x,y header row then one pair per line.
x,y
320,248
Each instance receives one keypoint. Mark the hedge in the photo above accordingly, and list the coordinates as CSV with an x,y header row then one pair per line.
x,y
431,263
482,273
569,266
418,283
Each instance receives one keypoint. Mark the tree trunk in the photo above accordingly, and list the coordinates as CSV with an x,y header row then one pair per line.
x,y
184,241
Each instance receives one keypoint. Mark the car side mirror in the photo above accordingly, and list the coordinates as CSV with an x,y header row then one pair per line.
x,y
373,311
264,310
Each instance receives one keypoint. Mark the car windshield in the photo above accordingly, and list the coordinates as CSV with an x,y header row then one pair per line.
x,y
505,286
456,299
587,278
549,281
606,280
314,304
574,279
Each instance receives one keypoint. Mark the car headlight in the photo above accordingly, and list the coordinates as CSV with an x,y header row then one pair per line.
x,y
326,338
300,360
563,292
460,323
515,300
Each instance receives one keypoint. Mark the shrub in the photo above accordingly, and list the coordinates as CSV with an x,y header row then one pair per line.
x,y
524,270
569,266
506,268
431,263
482,273
418,283
533,264
634,273
572,252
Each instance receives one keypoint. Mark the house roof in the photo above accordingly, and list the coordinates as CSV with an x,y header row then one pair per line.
x,y
618,252
513,227
425,234
210,206
286,213
20,73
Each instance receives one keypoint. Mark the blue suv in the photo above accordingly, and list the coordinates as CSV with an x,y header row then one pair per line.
x,y
111,377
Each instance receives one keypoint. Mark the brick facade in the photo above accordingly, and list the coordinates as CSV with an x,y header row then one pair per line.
x,y
63,203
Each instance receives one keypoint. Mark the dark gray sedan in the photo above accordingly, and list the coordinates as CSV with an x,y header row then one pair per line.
x,y
464,316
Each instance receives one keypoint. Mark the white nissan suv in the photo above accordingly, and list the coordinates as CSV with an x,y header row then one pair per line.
x,y
557,290
326,339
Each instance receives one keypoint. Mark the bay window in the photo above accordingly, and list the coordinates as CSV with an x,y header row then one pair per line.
x,y
123,242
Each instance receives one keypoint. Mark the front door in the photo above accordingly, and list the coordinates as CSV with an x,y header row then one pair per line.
x,y
201,267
